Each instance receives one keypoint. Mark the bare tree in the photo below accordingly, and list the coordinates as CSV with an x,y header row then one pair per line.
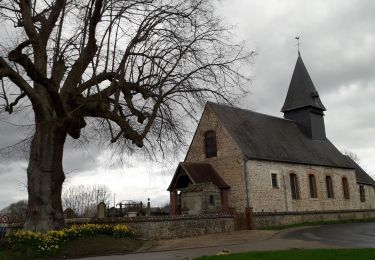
x,y
83,199
352,155
132,70
16,211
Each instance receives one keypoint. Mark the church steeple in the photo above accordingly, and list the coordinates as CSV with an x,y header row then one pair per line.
x,y
302,103
301,91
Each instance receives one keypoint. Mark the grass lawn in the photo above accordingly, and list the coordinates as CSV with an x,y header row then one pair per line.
x,y
99,245
321,254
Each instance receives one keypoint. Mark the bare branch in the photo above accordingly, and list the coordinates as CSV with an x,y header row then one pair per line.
x,y
88,53
7,71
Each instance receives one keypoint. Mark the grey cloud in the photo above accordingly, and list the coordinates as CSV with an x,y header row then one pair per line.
x,y
12,182
338,39
79,157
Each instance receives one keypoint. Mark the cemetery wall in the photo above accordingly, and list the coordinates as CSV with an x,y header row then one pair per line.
x,y
270,219
170,226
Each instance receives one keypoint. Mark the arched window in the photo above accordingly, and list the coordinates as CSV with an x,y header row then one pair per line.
x,y
212,200
329,187
210,144
362,193
312,184
294,186
345,188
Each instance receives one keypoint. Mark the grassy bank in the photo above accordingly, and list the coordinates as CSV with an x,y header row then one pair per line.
x,y
99,245
91,246
321,254
8,255
319,223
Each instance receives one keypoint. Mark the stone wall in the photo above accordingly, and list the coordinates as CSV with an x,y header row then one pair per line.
x,y
192,203
198,202
171,227
265,198
270,219
370,197
229,162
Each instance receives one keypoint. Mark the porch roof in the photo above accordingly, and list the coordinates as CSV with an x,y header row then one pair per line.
x,y
195,172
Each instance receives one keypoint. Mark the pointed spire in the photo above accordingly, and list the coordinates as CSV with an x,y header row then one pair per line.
x,y
302,92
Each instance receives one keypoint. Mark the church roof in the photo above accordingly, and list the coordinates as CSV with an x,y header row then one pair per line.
x,y
198,172
301,92
265,137
360,174
197,187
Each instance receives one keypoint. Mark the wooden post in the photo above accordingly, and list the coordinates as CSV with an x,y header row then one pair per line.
x,y
224,200
173,203
249,218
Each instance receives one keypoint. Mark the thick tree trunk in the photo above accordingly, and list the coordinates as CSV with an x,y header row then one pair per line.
x,y
45,177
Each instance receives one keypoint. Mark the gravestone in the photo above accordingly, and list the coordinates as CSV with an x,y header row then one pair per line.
x,y
101,210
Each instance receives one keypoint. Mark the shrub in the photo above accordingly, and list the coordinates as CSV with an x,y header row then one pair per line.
x,y
122,231
46,244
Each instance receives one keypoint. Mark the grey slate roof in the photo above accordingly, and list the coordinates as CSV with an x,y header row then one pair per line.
x,y
301,92
360,174
198,172
196,187
265,137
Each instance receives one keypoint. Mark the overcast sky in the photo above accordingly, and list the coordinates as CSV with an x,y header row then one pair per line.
x,y
338,49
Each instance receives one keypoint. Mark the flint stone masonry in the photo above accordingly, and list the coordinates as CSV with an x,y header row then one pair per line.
x,y
229,161
274,219
170,227
198,201
182,228
265,198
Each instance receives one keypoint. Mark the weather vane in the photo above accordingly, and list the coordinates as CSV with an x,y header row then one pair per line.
x,y
298,42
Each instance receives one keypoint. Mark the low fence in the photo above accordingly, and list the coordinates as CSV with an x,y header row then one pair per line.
x,y
3,231
269,219
6,228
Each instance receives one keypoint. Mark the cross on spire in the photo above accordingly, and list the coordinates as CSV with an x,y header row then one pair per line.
x,y
298,43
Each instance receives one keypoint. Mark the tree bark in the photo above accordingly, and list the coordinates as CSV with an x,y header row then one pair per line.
x,y
45,178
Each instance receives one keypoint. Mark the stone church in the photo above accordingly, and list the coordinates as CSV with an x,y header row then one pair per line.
x,y
240,160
